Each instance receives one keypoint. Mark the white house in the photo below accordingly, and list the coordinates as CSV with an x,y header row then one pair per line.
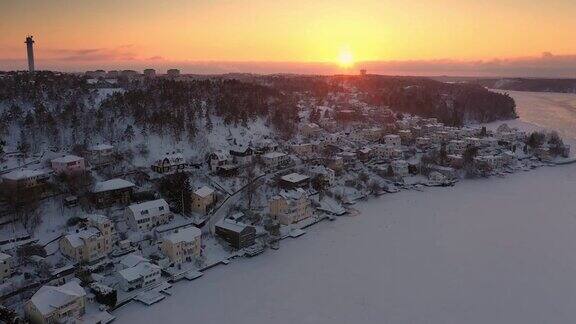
x,y
217,159
400,167
393,140
147,215
137,272
57,304
68,164
275,159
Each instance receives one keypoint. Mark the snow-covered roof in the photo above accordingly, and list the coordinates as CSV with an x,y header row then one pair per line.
x,y
132,260
101,147
67,159
173,159
113,184
273,155
293,194
49,298
153,208
231,225
22,174
295,177
4,256
204,192
97,218
138,271
187,234
77,239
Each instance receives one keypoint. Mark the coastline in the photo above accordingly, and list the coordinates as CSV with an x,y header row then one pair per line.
x,y
487,250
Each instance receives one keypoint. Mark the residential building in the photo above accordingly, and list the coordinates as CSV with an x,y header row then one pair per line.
x,y
310,130
101,154
110,192
218,159
241,155
6,266
237,234
423,142
328,175
137,272
294,180
170,162
57,304
24,179
393,140
456,146
275,159
91,242
172,73
400,167
290,207
68,164
147,215
182,244
203,199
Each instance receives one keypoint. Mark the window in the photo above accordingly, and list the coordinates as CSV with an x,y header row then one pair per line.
x,y
161,208
144,212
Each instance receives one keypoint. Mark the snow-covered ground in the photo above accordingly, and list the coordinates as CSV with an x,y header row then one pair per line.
x,y
498,250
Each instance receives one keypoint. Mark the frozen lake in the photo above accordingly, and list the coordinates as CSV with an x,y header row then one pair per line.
x,y
486,251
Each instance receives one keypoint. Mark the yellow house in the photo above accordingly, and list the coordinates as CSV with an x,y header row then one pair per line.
x,y
89,243
56,304
290,206
203,199
182,244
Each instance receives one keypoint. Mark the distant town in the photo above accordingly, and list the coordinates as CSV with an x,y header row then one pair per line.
x,y
116,185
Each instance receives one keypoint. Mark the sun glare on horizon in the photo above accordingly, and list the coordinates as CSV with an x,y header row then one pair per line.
x,y
345,58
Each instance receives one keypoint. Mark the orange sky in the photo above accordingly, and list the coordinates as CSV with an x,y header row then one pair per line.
x,y
75,34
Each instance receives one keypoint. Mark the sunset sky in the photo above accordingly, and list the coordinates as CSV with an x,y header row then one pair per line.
x,y
509,37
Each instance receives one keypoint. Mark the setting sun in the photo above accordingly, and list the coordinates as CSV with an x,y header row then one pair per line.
x,y
345,58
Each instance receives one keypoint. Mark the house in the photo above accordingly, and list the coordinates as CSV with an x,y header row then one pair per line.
x,y
110,192
57,304
203,199
405,135
217,159
6,266
241,155
170,162
400,167
24,180
456,146
290,207
347,157
182,244
310,130
89,243
147,215
423,142
237,234
328,175
393,140
101,154
372,134
137,272
294,180
303,150
275,160
364,154
68,164
387,152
